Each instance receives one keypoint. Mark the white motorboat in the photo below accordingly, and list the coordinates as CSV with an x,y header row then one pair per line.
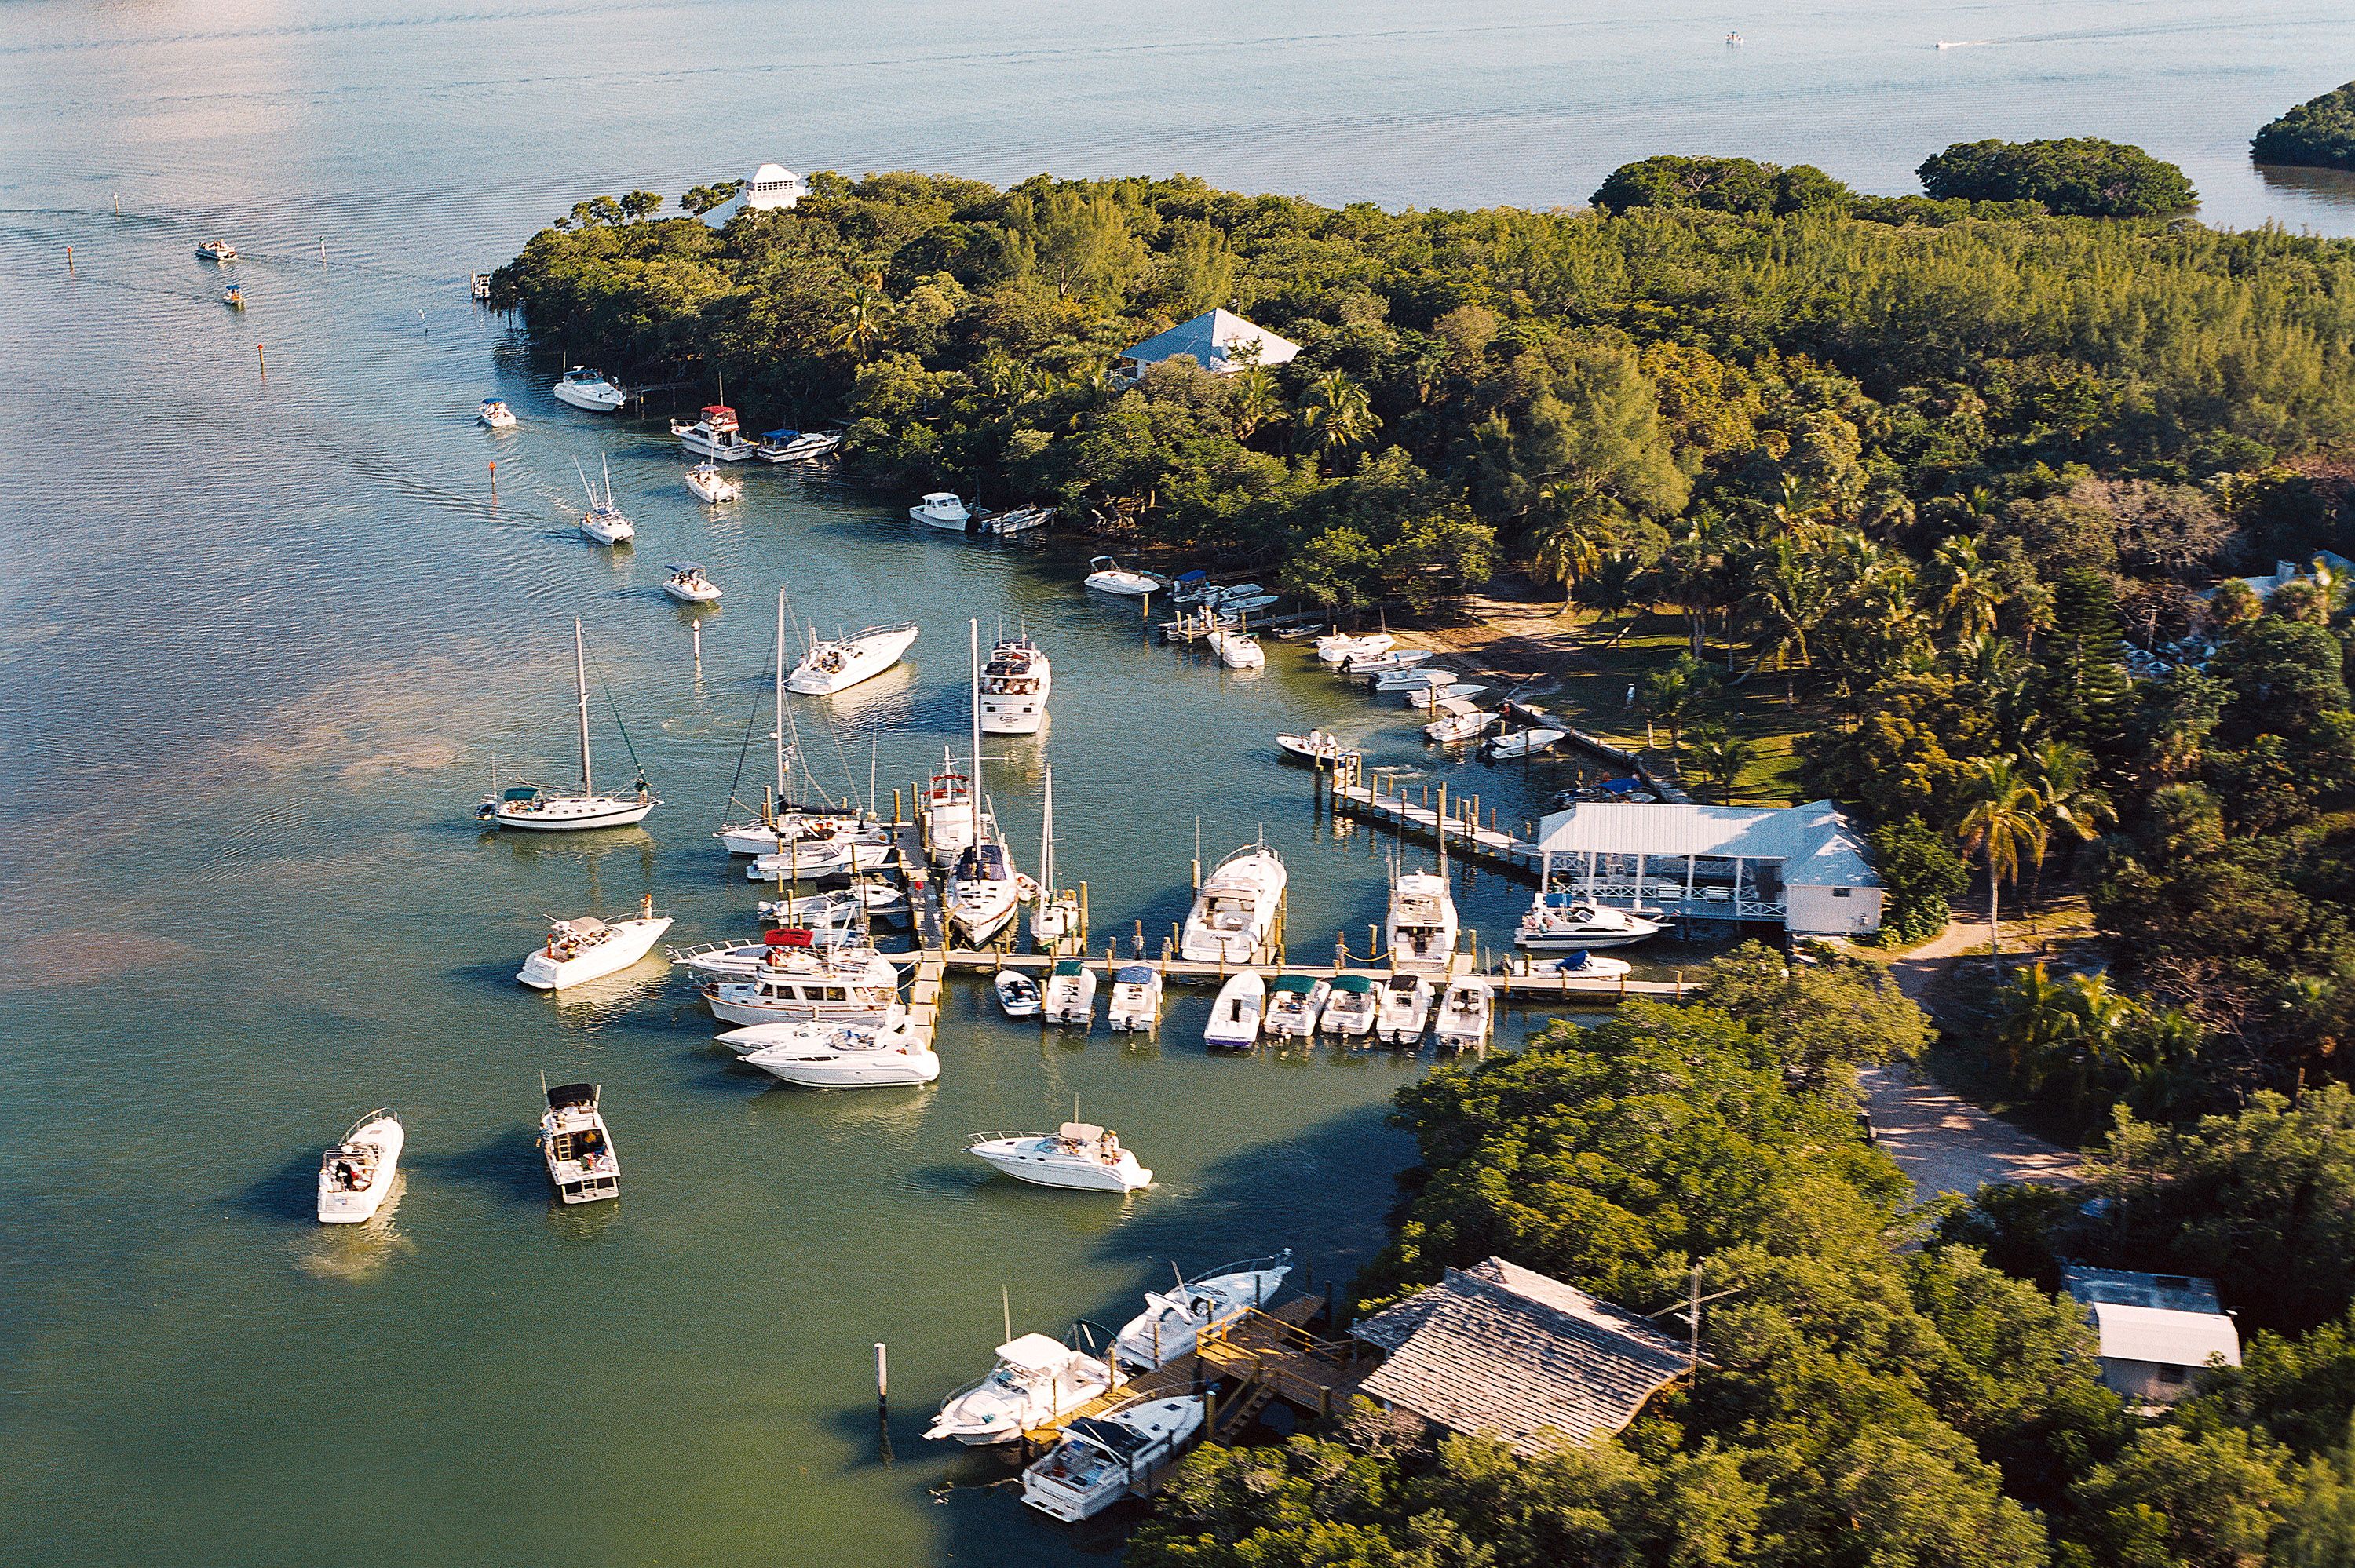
x,y
984,893
233,297
1135,1003
1349,1007
1224,596
1107,576
1173,1320
1235,914
687,584
495,415
1235,1015
1058,914
1036,1381
1458,721
585,389
1079,1156
1420,929
830,1055
942,509
1015,685
796,446
840,664
1563,921
713,486
1295,1002
478,287
839,907
802,981
1013,520
1245,604
951,817
1071,993
713,433
1318,746
578,1147
1018,993
820,847
1524,743
356,1175
1417,678
1430,697
587,948
531,808
1340,647
1405,1009
1583,965
1389,659
1237,651
603,521
1099,1459
216,250
1465,1013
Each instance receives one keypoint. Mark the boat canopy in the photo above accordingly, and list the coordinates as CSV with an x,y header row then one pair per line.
x,y
779,435
683,566
522,792
1300,985
714,413
572,1095
1403,981
787,936
1033,1352
1354,983
1183,578
587,926
1122,1442
1136,974
1068,965
1080,1132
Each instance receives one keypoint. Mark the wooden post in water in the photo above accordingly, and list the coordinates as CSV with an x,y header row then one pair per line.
x,y
696,627
264,360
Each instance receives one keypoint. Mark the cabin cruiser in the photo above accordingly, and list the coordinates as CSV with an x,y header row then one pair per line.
x,y
1235,1016
834,1055
495,415
587,948
1071,993
1525,743
711,485
1458,721
584,388
713,433
801,981
1465,1013
835,666
1349,1007
216,250
1014,684
529,807
1562,921
1340,648
1236,651
687,584
1107,576
1099,1459
577,1146
776,946
982,893
1294,1005
1235,914
950,819
1583,965
1079,1155
1018,993
1405,1009
942,509
1036,1381
1173,1320
1422,926
233,297
603,521
796,446
1317,746
1135,1000
356,1175
478,287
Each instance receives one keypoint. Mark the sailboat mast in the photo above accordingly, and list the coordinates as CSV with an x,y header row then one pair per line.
x,y
581,683
779,736
1046,839
975,626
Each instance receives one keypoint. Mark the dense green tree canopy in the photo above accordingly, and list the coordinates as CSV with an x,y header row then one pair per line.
x,y
2319,132
2083,176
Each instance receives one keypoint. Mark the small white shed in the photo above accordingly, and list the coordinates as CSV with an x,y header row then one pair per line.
x,y
2155,1329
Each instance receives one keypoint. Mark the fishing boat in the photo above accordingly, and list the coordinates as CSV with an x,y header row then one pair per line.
x,y
1135,1004
1059,913
835,1055
233,297
942,509
1388,659
1036,1382
587,948
687,584
585,389
1015,685
713,433
711,485
216,250
529,808
1349,1007
1405,1009
356,1175
844,662
1319,748
1294,1005
1243,604
578,1147
1013,521
1079,1156
1235,914
1340,647
1236,651
1582,964
1458,721
1414,678
1099,1459
1071,993
1107,576
603,521
1465,1013
1560,921
802,981
1432,696
1420,929
952,816
1018,993
1173,1320
1524,743
1235,1016
796,446
495,415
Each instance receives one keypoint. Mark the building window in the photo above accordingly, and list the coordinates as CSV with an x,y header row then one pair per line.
x,y
1840,891
2173,1376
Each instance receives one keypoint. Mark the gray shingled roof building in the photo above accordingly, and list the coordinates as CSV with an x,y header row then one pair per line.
x,y
1504,1352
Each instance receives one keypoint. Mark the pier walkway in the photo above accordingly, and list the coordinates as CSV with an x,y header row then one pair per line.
x,y
1508,983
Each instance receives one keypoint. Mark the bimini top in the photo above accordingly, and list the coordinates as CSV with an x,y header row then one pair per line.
x,y
1352,983
572,1095
1079,1132
1301,984
1068,965
1119,1441
684,566
1033,1352
1135,974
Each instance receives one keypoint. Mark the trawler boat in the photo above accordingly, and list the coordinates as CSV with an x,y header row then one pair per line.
x,y
1036,1381
216,250
687,584
1173,1320
942,509
584,388
1294,1005
835,666
1014,684
1236,651
1340,648
984,894
796,446
1560,922
1583,965
1235,914
1079,1156
603,521
950,817
1317,748
1107,576
1420,930
1071,994
713,433
1099,1459
1349,1007
802,981
1135,1003
1525,743
356,1175
1458,721
495,415
830,1055
579,1150
711,485
529,807
588,948
1235,1016
1465,1013
1405,1009
1018,993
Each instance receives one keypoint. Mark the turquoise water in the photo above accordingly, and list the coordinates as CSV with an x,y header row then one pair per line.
x,y
265,640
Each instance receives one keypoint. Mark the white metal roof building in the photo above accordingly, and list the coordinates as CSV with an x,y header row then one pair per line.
x,y
1804,866
1218,340
2155,1329
772,186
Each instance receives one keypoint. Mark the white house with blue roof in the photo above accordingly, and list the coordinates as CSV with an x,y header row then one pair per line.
x,y
1219,340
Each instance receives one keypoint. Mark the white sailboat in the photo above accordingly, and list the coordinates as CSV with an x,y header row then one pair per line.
x,y
1235,1015
1099,1459
1058,916
984,891
781,823
586,948
1014,684
843,662
1234,916
530,808
356,1175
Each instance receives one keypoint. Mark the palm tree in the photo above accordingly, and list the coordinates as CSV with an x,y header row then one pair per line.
x,y
862,320
1564,549
1615,587
1722,756
1789,596
2073,1027
1669,692
1796,513
1963,591
1256,402
1338,415
2067,798
2002,823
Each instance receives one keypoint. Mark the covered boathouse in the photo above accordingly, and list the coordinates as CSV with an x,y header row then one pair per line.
x,y
1802,867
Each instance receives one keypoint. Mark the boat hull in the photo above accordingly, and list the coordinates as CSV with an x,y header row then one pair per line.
x,y
882,1069
605,399
863,663
338,1207
1571,941
592,815
1066,1174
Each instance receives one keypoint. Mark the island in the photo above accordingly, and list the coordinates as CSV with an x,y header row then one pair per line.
x,y
2319,133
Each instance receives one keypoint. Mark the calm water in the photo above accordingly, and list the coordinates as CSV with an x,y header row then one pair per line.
x,y
264,641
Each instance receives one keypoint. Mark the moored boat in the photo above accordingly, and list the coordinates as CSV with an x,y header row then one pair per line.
x,y
356,1174
1524,743
1562,921
1036,1381
1235,914
1018,993
1070,993
1349,1007
1465,1013
1295,1002
942,509
1108,576
839,1055
585,389
1422,926
713,433
1458,721
796,446
577,1147
1173,1320
1340,647
1099,1459
1235,1015
1079,1156
1135,1003
1580,964
1236,651
530,808
1403,1010
801,980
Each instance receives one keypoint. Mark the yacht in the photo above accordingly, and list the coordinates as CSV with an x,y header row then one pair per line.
x,y
356,1175
1294,1005
942,509
745,960
603,521
478,287
1071,993
1318,746
713,486
1524,743
687,584
832,1055
1582,965
1340,648
838,907
588,948
835,666
1107,576
1465,1013
1018,993
1562,921
1135,1003
1079,1156
1036,1382
1234,916
1099,1459
216,250
713,433
1349,1007
805,982
1173,1320
950,818
1014,684
495,415
1458,721
579,1150
796,446
584,388
984,894
1235,1016
1057,915
530,808
1405,1009
1420,930
1237,651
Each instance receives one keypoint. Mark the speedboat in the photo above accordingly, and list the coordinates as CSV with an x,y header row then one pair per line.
x,y
1561,922
1420,930
835,666
1294,1005
950,819
233,297
1135,1001
356,1175
531,808
1243,604
216,250
713,433
802,981
832,1055
942,509
1036,1381
1013,520
1107,576
1234,1017
796,446
687,584
577,1146
495,415
587,948
713,486
1235,914
1315,748
603,521
1458,721
1404,1009
1018,993
1465,1013
1414,678
584,388
1173,1320
1349,1007
1014,684
982,893
1524,743
1388,659
1071,993
1237,651
1079,1156
1340,648
1583,965
1099,1459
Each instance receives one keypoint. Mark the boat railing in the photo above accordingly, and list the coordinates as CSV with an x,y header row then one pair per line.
x,y
1248,1265
381,1113
975,1139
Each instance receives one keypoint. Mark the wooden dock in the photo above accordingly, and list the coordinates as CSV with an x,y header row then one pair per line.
x,y
1459,828
1508,982
1192,629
